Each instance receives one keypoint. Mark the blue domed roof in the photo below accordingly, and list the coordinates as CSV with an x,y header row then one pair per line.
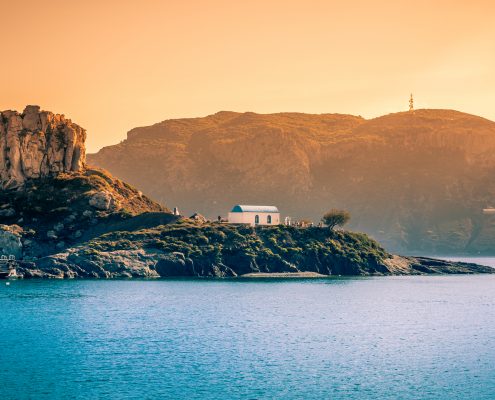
x,y
260,209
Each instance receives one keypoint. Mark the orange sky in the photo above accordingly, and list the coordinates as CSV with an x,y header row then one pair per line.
x,y
112,65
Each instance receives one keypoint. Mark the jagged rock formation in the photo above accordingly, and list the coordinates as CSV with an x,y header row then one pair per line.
x,y
417,181
36,144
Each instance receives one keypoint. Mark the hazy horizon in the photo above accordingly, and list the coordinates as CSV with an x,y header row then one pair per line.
x,y
115,66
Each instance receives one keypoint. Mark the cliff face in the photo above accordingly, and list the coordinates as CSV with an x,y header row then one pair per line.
x,y
416,181
36,144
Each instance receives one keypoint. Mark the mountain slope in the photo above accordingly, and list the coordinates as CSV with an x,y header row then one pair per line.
x,y
53,213
416,181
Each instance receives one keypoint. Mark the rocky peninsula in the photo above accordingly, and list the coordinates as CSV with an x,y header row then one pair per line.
x,y
63,219
188,248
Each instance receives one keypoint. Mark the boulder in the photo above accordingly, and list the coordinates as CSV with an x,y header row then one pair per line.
x,y
83,262
101,201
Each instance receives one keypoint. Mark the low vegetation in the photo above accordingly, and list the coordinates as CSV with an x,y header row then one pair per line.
x,y
187,248
59,211
239,249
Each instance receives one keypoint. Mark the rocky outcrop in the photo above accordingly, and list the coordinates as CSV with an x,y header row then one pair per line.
x,y
175,264
88,263
35,144
102,200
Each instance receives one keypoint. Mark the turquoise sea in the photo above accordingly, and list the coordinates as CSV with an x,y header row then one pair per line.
x,y
359,338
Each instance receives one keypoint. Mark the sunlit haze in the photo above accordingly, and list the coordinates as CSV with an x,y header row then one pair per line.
x,y
114,65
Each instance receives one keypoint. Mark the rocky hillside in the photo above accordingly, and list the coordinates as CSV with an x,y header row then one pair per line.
x,y
50,214
50,199
416,181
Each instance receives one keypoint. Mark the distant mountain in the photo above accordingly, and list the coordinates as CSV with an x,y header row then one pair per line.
x,y
416,181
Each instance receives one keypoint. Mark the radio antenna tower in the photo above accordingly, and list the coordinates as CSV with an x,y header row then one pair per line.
x,y
411,103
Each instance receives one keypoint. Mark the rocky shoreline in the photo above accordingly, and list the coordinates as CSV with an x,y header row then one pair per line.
x,y
188,248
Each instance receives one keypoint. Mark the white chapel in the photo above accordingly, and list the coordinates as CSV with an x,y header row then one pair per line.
x,y
254,215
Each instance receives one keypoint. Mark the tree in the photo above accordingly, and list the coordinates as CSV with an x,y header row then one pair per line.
x,y
335,217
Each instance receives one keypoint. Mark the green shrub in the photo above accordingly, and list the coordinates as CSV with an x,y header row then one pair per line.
x,y
335,217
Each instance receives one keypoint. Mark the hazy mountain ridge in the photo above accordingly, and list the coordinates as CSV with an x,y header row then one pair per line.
x,y
416,181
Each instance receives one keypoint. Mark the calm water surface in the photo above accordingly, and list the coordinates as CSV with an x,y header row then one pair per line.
x,y
380,338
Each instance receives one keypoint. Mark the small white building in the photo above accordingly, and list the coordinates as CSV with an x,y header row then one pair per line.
x,y
254,215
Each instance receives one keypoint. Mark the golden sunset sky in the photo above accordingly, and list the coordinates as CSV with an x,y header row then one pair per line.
x,y
117,64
